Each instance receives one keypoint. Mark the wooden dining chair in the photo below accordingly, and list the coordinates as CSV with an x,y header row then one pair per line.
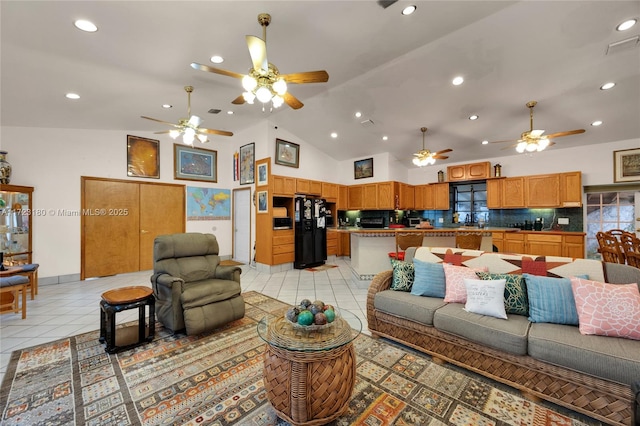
x,y
404,240
609,248
631,249
469,240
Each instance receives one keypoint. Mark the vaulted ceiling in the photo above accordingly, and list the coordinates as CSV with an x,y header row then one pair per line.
x,y
396,70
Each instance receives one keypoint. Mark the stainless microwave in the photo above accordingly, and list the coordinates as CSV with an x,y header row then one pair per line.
x,y
281,223
412,222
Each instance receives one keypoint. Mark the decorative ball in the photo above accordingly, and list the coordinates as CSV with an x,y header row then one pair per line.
x,y
320,319
305,303
305,318
330,315
292,314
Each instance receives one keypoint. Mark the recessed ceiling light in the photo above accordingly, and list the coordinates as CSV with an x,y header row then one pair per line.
x,y
385,138
167,106
626,25
458,81
334,135
73,96
230,112
485,142
84,25
409,10
596,123
473,117
358,114
607,86
217,59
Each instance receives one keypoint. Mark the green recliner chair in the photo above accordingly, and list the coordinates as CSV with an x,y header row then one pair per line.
x,y
192,290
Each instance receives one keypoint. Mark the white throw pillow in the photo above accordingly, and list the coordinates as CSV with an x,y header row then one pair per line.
x,y
485,297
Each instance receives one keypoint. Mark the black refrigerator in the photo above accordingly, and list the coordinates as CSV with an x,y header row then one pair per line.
x,y
310,232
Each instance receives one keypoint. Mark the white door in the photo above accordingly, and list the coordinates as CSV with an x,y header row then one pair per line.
x,y
242,225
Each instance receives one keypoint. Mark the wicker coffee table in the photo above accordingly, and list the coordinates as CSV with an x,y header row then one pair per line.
x,y
309,375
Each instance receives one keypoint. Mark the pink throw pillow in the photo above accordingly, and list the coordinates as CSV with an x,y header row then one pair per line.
x,y
607,309
455,290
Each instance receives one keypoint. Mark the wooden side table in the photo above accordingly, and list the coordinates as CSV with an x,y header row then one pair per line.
x,y
122,299
309,375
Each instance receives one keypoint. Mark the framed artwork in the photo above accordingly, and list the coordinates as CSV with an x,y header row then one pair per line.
x,y
287,153
263,202
247,163
191,163
143,157
626,165
263,173
363,168
208,203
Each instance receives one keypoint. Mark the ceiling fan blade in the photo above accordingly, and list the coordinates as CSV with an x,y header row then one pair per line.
x,y
162,132
160,121
444,151
201,67
536,133
215,132
292,101
306,77
567,133
239,100
509,140
258,53
440,157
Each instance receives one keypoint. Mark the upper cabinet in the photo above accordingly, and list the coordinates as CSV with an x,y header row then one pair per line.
x,y
406,196
542,191
472,171
284,186
387,195
538,191
343,197
354,197
494,193
330,192
513,193
440,196
370,196
571,189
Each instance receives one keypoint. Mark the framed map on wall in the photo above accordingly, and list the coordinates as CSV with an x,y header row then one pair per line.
x,y
208,203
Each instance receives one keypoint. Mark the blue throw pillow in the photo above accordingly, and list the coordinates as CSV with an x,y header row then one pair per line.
x,y
403,274
551,300
429,279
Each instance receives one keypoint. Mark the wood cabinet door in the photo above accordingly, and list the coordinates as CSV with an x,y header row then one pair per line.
x,y
370,196
455,173
428,200
543,190
343,197
406,196
514,243
283,185
497,239
441,196
513,193
355,197
494,193
544,245
573,246
303,186
386,195
478,170
315,187
330,191
345,244
571,189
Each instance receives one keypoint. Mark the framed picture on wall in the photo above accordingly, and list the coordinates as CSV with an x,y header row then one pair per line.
x,y
626,165
191,163
247,164
363,168
143,157
263,174
287,153
263,202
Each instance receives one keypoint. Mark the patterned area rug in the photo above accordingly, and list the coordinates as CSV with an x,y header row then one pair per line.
x,y
322,268
216,379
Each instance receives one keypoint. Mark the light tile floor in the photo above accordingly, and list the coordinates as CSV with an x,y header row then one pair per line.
x,y
68,309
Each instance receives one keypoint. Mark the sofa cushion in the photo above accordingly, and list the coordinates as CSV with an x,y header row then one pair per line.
x,y
515,293
403,275
429,279
455,291
406,305
609,358
551,300
607,309
200,293
485,297
509,336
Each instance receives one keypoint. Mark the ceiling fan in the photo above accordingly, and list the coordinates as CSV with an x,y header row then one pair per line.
x,y
424,157
189,127
534,140
264,81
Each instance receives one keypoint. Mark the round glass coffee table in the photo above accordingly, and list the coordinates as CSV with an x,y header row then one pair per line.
x,y
309,374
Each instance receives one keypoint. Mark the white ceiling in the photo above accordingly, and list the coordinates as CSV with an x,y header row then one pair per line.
x,y
397,70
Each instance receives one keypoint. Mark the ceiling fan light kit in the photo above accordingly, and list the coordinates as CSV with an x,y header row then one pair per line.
x,y
424,157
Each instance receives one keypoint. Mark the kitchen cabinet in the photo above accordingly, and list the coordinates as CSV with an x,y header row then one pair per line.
x,y
406,196
330,192
344,248
542,191
303,186
370,196
471,171
440,196
571,189
514,242
539,243
423,197
497,239
513,192
573,246
315,188
354,197
16,225
284,186
494,193
283,246
332,242
387,195
343,197
543,244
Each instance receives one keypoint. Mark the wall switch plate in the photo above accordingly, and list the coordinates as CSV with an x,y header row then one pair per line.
x,y
441,220
563,221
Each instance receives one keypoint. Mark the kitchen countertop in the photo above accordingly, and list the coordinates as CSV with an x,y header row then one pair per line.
x,y
356,229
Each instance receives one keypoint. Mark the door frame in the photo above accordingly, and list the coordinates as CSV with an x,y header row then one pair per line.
x,y
237,191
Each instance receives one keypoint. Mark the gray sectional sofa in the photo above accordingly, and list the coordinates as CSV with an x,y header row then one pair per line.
x,y
590,374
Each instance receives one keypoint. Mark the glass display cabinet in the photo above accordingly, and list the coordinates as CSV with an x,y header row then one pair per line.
x,y
16,213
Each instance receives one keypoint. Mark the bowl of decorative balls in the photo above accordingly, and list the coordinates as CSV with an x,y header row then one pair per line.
x,y
310,315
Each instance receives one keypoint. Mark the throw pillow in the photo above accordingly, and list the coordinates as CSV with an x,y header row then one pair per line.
x,y
515,293
550,300
403,274
607,309
455,291
534,267
429,279
485,297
